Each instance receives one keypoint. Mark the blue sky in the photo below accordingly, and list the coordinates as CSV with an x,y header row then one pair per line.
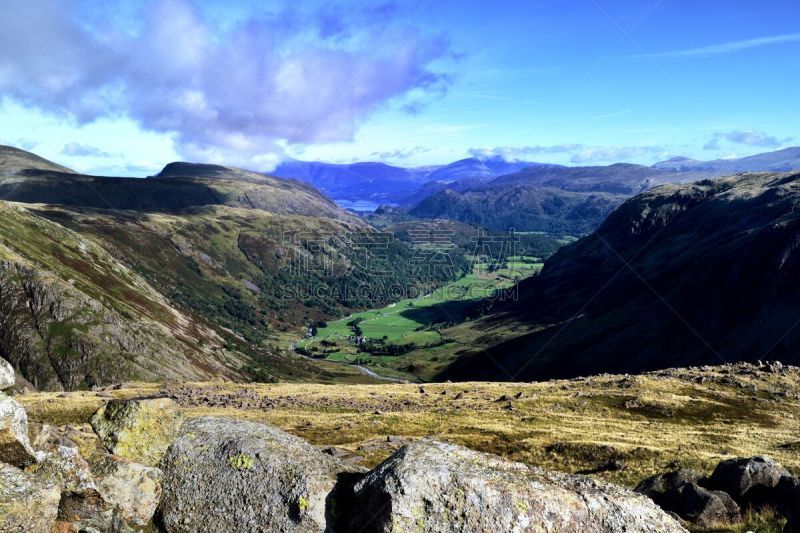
x,y
124,87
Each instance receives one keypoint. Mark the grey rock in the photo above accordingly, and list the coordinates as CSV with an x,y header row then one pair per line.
x,y
140,430
706,508
133,489
430,486
749,481
236,476
15,446
26,504
7,376
663,488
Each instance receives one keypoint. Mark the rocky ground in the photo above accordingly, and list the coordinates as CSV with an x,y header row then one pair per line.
x,y
669,434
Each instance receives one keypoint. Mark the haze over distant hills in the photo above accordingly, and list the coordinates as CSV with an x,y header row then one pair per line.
x,y
527,196
382,183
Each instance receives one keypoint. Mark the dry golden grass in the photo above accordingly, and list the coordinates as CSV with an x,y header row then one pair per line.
x,y
648,422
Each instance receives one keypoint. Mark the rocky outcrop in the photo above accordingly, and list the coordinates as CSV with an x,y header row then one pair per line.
x,y
7,376
139,430
435,487
735,485
133,489
749,481
236,476
26,504
679,492
15,447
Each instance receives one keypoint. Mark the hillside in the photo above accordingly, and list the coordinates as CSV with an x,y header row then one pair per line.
x,y
15,161
73,315
521,207
680,275
233,260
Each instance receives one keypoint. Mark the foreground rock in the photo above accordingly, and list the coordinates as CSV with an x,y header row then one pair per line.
x,y
7,376
133,489
234,476
751,481
26,504
434,487
679,492
139,430
15,446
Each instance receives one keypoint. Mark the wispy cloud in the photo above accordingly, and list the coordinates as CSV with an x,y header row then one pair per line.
x,y
616,114
401,154
84,150
727,48
578,154
745,137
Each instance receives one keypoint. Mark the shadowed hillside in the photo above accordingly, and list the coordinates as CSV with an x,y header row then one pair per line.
x,y
680,275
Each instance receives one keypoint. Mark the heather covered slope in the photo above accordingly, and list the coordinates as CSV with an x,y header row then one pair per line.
x,y
73,315
680,275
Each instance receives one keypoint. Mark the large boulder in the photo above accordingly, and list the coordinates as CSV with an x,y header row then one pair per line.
x,y
663,488
430,486
26,504
133,489
706,508
140,430
679,492
235,476
751,482
7,376
15,446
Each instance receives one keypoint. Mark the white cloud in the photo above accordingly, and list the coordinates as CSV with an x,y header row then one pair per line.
x,y
232,94
745,137
577,153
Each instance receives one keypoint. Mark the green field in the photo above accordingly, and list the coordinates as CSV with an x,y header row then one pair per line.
x,y
414,323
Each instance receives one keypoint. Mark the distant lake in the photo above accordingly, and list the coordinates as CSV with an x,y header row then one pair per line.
x,y
362,206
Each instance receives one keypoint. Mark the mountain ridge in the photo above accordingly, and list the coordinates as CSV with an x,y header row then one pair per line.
x,y
680,275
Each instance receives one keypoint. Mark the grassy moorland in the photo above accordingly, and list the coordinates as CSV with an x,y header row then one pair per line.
x,y
650,423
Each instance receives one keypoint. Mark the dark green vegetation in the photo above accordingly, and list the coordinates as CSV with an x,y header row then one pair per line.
x,y
522,208
548,198
680,275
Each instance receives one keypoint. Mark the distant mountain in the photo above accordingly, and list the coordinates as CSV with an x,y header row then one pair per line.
x,y
550,198
374,182
780,161
620,178
679,275
381,183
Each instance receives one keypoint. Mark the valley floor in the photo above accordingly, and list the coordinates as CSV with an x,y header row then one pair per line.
x,y
638,425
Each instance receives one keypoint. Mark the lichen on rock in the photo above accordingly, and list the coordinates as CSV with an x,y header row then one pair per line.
x,y
139,430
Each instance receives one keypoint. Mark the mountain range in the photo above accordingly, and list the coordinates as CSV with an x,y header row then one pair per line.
x,y
380,183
